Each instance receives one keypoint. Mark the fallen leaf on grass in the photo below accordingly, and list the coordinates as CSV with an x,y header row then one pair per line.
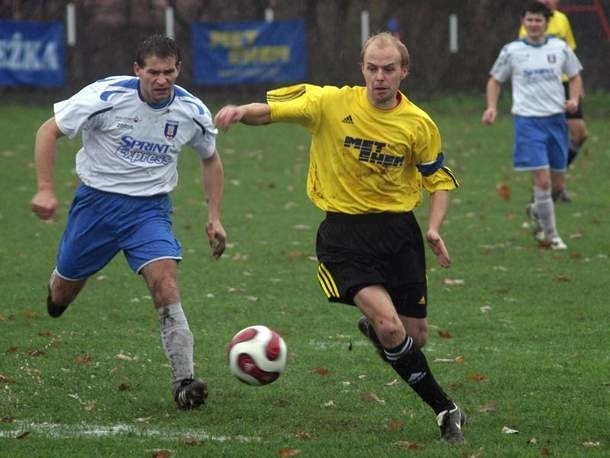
x,y
2,317
489,407
188,440
445,334
392,383
321,371
35,353
395,425
125,386
302,435
330,403
477,377
371,397
406,445
23,435
591,444
5,379
453,281
162,454
286,452
503,191
563,278
125,357
532,441
507,430
83,359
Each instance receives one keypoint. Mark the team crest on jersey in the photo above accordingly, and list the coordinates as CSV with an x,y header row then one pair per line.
x,y
171,128
551,58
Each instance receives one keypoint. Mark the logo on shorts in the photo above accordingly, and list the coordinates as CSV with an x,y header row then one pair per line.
x,y
171,128
422,301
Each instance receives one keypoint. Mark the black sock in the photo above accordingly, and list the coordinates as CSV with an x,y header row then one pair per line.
x,y
410,363
571,155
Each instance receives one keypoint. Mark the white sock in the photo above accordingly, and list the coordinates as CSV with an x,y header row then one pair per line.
x,y
177,340
545,209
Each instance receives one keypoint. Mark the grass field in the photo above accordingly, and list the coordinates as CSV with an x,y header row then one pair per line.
x,y
519,335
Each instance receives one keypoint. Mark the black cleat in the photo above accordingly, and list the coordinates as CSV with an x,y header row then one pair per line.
x,y
366,328
52,308
451,422
190,393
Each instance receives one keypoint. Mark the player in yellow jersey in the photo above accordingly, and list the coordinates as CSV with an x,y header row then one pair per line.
x,y
372,152
559,26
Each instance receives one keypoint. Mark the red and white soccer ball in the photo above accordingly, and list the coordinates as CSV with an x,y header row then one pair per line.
x,y
257,355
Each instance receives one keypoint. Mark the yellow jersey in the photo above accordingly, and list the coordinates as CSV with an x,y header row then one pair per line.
x,y
364,159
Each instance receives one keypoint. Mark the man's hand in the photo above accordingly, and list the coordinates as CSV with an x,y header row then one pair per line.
x,y
217,237
438,248
489,116
44,205
229,114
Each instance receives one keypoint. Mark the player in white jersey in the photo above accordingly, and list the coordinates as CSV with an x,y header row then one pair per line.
x,y
133,129
535,66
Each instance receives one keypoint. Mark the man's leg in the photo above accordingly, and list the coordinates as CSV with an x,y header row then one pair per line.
x,y
61,293
176,336
406,358
545,208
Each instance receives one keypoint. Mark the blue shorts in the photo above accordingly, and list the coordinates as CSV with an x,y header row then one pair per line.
x,y
540,142
100,224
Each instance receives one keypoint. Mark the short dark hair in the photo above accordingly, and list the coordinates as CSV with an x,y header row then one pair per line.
x,y
535,7
160,46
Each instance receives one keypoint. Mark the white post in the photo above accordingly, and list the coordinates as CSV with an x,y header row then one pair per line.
x,y
169,22
71,24
268,14
365,26
453,33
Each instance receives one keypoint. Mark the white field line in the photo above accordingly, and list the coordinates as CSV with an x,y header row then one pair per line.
x,y
59,431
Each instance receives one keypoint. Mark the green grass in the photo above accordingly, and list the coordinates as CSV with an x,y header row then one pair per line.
x,y
526,329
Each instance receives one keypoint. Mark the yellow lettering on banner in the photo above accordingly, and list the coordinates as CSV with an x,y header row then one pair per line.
x,y
232,39
259,54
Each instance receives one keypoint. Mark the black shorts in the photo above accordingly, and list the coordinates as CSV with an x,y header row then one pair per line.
x,y
578,113
355,251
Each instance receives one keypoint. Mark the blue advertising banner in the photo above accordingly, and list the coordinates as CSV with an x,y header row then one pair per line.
x,y
249,52
32,53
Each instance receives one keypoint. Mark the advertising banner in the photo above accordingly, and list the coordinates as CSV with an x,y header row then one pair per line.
x,y
249,52
32,54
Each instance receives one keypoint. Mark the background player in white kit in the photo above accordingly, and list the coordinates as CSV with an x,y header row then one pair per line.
x,y
535,66
133,129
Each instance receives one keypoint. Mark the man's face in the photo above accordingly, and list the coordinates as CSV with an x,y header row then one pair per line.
x,y
383,72
157,78
535,25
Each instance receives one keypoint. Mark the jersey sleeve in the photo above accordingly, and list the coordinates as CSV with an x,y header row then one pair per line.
x,y
204,139
501,69
572,65
430,160
298,104
72,114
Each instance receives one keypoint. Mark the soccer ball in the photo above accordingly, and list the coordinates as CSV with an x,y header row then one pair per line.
x,y
257,355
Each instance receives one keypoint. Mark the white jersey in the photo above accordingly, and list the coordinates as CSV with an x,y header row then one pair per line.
x,y
129,146
535,72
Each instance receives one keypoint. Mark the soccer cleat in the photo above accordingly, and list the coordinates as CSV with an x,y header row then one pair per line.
x,y
558,244
450,422
562,196
52,308
366,328
535,223
190,393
